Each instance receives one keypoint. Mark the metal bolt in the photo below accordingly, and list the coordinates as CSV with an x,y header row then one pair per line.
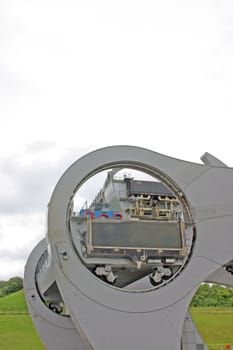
x,y
64,255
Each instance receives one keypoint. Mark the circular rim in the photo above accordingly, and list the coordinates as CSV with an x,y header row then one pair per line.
x,y
127,156
154,175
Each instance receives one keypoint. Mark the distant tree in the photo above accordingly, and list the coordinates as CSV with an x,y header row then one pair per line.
x,y
15,284
213,295
12,285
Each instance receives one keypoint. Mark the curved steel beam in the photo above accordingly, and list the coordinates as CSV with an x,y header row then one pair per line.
x,y
56,331
154,316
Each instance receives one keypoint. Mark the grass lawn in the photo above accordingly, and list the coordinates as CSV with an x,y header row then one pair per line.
x,y
13,303
18,333
215,326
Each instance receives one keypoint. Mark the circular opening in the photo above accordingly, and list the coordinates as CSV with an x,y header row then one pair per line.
x,y
130,229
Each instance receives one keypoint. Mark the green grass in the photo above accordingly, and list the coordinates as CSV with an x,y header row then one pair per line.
x,y
13,303
215,326
17,331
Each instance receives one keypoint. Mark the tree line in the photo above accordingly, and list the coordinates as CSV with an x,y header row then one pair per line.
x,y
12,285
213,295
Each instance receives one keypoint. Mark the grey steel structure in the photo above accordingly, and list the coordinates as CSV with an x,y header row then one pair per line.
x,y
101,316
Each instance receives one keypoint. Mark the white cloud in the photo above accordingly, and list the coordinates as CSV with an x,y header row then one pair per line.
x,y
19,234
27,181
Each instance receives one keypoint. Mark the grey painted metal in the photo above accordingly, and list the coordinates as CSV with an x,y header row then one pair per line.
x,y
56,331
112,318
191,339
209,159
221,276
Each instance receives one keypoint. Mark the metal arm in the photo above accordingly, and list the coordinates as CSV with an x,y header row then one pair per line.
x,y
103,312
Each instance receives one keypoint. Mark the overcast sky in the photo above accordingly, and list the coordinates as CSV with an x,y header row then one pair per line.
x,y
79,75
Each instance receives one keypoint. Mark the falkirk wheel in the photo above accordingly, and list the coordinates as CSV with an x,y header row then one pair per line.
x,y
121,272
